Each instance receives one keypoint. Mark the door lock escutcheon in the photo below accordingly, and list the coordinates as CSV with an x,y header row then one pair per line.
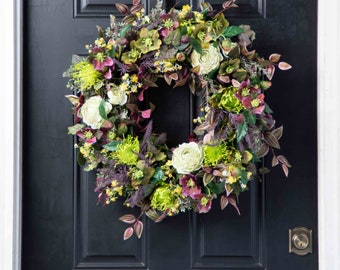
x,y
300,241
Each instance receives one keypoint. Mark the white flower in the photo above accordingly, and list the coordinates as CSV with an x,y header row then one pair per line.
x,y
90,112
187,158
117,96
208,60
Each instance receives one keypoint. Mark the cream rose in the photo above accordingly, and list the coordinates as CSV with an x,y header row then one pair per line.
x,y
208,60
187,158
117,96
90,112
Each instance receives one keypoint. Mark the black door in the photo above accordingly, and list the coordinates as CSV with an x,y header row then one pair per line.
x,y
64,228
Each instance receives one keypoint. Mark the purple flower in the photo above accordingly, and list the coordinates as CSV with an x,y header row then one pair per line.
x,y
203,203
190,187
99,64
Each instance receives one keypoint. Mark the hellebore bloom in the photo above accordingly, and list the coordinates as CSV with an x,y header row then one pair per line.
x,y
203,203
190,187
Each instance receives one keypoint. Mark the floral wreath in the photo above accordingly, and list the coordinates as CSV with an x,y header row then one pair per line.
x,y
113,121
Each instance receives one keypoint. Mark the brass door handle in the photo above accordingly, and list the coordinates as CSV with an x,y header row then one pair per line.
x,y
300,241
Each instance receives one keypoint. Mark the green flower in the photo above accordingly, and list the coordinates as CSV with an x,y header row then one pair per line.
x,y
163,199
85,76
219,24
214,154
148,41
127,151
131,56
229,102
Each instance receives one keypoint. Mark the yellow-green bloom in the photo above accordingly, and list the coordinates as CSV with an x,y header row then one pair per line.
x,y
163,199
214,154
127,151
229,101
219,24
85,76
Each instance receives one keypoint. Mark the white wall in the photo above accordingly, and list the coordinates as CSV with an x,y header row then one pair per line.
x,y
328,137
329,134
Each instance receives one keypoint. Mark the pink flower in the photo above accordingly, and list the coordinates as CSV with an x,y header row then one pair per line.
x,y
190,187
251,97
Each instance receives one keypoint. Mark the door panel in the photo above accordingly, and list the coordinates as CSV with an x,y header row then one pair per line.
x,y
64,228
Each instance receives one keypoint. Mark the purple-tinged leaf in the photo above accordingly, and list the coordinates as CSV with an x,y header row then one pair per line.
x,y
274,161
235,83
138,228
285,169
278,132
136,8
270,70
124,9
129,219
128,233
223,78
135,2
284,161
128,19
167,78
271,140
233,202
160,218
207,178
174,76
263,151
284,66
275,57
224,202
152,214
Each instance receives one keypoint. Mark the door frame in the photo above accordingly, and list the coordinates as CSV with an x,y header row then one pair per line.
x,y
328,135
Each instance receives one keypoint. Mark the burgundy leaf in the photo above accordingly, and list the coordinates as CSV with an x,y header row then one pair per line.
x,y
129,219
160,218
135,2
138,228
128,233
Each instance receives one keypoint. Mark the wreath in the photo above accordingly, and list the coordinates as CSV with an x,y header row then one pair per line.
x,y
113,124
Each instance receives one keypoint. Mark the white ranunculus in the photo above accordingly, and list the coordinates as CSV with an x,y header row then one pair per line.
x,y
90,112
187,158
208,60
117,96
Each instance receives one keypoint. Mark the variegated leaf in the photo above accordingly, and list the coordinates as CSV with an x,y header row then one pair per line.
x,y
262,151
271,140
233,202
285,169
284,66
138,228
284,161
275,57
129,219
224,202
124,9
270,70
136,8
278,132
128,233
73,99
207,178
274,161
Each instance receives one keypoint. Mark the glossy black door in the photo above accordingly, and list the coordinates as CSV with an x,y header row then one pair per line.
x,y
64,229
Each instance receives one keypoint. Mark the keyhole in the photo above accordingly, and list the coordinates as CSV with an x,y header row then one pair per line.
x,y
300,241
